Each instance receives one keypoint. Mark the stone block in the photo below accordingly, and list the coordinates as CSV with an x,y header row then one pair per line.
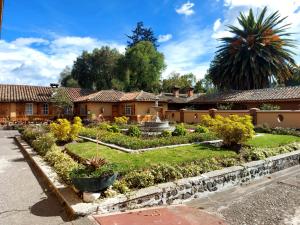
x,y
90,197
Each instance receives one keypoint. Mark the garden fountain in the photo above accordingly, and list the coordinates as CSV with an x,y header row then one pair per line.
x,y
156,125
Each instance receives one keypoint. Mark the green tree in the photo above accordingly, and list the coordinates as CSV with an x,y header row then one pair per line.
x,y
97,69
66,79
184,82
258,52
141,33
294,80
142,67
62,101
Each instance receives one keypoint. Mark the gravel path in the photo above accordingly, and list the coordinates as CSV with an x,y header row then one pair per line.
x,y
273,200
275,205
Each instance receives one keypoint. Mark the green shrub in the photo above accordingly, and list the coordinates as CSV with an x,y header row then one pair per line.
x,y
180,130
44,143
30,133
62,163
165,173
121,186
192,170
114,129
264,128
103,126
138,143
138,179
266,106
166,133
134,131
122,120
201,129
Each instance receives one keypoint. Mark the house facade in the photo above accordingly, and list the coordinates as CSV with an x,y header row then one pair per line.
x,y
24,103
107,104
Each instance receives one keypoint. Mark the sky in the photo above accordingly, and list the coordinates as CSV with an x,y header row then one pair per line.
x,y
40,38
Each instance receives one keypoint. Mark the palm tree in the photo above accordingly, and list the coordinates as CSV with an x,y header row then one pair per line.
x,y
258,53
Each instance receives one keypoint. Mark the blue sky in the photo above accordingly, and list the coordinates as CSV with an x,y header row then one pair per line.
x,y
40,38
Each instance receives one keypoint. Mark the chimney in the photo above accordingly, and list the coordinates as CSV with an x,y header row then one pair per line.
x,y
54,85
190,92
176,91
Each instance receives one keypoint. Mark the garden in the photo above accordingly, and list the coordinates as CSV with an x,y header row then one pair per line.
x,y
93,167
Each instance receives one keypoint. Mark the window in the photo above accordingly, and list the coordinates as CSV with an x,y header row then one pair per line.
x,y
69,110
29,109
46,109
82,110
128,110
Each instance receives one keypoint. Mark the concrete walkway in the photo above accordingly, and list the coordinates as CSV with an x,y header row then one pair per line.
x,y
24,198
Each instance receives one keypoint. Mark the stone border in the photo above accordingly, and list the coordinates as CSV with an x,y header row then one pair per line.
x,y
65,193
175,192
128,150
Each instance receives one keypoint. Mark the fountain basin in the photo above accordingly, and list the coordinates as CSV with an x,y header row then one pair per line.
x,y
153,126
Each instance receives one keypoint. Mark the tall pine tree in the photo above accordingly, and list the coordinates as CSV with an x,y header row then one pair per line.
x,y
141,33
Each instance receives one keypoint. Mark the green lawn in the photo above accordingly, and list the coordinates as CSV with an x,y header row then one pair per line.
x,y
272,140
126,162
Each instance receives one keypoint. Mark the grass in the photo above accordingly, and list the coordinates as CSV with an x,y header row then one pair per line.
x,y
126,162
272,140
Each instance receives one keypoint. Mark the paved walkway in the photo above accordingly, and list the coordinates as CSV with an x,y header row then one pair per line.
x,y
24,198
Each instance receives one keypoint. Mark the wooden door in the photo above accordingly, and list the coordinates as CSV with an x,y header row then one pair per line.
x,y
115,111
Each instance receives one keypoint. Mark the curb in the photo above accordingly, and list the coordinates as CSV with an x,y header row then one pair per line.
x,y
53,182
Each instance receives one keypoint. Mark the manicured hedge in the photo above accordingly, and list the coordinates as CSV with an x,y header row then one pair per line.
x,y
140,143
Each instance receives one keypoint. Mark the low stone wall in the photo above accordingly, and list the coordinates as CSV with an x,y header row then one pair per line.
x,y
189,188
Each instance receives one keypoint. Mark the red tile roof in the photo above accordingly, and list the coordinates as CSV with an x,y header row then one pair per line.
x,y
27,93
256,95
117,96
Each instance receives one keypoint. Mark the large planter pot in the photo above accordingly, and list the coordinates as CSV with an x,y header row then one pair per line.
x,y
94,184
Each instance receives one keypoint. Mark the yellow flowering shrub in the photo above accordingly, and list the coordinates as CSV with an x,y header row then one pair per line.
x,y
121,120
61,129
232,130
76,128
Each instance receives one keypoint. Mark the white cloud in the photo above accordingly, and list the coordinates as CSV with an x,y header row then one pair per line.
x,y
22,63
189,54
29,41
217,24
164,38
186,9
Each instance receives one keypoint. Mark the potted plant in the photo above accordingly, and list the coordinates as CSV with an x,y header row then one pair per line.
x,y
95,176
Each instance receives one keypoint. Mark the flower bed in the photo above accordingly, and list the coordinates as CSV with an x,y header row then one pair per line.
x,y
142,142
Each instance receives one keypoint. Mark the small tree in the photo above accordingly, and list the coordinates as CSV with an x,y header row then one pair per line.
x,y
61,101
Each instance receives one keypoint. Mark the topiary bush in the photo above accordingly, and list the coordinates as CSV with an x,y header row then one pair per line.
x,y
134,131
201,129
180,130
44,143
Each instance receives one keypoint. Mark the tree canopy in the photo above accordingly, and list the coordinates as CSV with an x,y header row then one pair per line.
x,y
142,67
97,69
258,51
184,82
141,33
